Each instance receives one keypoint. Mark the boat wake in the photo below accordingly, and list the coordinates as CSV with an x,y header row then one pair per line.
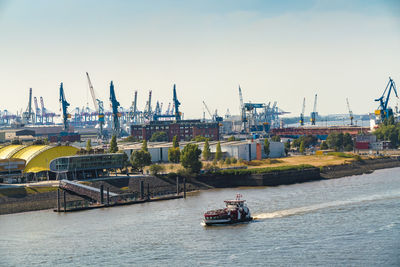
x,y
316,207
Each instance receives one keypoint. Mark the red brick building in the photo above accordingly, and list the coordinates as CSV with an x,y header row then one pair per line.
x,y
184,130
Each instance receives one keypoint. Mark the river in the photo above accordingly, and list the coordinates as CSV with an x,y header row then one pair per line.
x,y
349,221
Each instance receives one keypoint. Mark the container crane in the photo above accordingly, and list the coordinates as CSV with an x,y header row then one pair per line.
x,y
38,118
134,114
176,104
383,110
99,107
314,112
28,115
302,112
65,106
115,104
350,112
242,109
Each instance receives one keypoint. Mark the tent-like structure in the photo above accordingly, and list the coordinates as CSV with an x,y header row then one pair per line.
x,y
37,157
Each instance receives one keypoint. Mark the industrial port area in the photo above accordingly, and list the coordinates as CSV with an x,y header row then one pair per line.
x,y
33,140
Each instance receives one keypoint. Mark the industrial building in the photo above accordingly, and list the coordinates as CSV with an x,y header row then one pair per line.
x,y
86,166
245,150
185,130
21,134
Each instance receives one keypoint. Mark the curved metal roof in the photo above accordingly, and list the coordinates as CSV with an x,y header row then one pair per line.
x,y
8,151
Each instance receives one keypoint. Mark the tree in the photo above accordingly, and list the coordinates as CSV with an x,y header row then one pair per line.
x,y
218,152
276,138
302,147
287,147
144,145
113,145
159,137
206,150
88,145
324,146
174,154
228,161
347,142
199,138
175,143
190,158
156,169
266,147
231,138
140,159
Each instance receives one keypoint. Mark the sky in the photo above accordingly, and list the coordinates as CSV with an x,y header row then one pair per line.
x,y
275,50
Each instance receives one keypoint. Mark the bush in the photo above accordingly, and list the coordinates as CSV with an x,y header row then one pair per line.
x,y
159,137
234,160
231,172
156,169
227,161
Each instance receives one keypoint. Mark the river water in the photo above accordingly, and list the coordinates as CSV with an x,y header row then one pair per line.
x,y
349,221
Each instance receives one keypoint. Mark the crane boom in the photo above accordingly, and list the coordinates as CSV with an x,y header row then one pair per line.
x,y
314,112
115,104
209,112
350,112
65,106
95,104
302,112
176,105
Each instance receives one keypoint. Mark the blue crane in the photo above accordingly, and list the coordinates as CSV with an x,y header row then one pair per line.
x,y
383,110
65,106
177,104
115,104
177,114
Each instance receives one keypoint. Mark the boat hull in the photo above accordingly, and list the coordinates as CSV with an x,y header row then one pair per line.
x,y
227,221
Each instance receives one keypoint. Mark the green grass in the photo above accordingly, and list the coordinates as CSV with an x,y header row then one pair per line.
x,y
262,170
24,191
341,154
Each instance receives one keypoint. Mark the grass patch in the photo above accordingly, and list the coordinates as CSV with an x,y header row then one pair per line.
x,y
262,170
340,154
24,191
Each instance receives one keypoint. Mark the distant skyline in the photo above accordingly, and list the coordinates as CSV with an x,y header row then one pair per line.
x,y
276,50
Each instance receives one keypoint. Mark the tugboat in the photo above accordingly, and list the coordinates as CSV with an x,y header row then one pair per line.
x,y
236,211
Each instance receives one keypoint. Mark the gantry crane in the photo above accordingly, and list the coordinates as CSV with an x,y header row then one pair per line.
x,y
350,112
115,104
383,110
38,118
99,107
65,106
314,112
302,112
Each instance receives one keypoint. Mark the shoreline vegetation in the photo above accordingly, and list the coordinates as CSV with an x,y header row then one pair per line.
x,y
267,172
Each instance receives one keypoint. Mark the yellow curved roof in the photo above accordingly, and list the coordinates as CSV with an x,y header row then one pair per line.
x,y
8,151
38,157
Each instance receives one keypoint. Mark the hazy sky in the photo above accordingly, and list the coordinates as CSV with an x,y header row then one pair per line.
x,y
276,50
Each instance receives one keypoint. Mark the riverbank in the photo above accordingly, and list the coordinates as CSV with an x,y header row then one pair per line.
x,y
22,199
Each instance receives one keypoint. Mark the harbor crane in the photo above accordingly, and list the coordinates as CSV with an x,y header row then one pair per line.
x,y
65,105
176,104
38,118
242,109
383,111
302,112
99,107
28,115
115,113
314,112
350,112
214,117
